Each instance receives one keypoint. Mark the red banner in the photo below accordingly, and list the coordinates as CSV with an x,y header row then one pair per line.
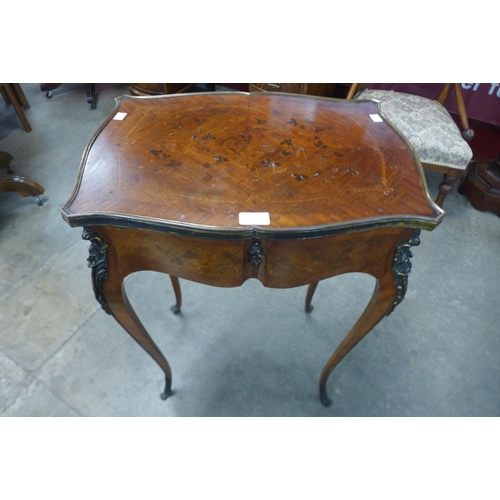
x,y
482,100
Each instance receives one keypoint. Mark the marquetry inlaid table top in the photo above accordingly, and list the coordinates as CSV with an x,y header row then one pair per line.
x,y
199,160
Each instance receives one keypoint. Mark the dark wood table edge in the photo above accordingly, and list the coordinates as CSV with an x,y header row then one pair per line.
x,y
249,232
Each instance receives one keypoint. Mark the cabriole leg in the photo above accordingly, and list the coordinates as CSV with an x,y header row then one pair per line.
x,y
390,290
382,300
109,289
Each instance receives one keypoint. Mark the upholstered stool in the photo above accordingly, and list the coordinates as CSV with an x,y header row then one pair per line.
x,y
430,130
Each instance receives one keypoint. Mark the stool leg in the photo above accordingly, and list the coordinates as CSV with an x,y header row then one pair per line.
x,y
19,110
449,180
4,94
20,95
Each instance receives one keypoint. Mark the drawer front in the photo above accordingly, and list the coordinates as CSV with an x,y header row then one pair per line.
x,y
300,262
212,262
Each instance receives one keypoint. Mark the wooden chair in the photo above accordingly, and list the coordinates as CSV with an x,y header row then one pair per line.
x,y
429,128
12,93
21,185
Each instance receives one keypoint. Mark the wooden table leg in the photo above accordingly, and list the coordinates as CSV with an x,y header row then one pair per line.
x,y
390,290
125,315
109,289
381,302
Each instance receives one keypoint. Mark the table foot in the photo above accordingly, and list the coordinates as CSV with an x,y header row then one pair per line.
x,y
176,309
323,396
310,292
167,392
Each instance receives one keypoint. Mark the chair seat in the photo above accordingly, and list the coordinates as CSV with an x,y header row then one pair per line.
x,y
427,125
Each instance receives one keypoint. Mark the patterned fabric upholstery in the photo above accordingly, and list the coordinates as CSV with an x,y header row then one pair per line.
x,y
426,124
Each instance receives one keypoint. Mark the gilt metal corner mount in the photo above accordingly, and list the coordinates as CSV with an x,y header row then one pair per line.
x,y
98,264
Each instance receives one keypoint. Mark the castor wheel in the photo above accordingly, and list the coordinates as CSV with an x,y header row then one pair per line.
x,y
9,169
39,201
48,94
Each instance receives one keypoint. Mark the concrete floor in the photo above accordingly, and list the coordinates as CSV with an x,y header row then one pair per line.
x,y
249,351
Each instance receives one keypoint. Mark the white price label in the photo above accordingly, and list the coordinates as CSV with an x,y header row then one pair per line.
x,y
254,218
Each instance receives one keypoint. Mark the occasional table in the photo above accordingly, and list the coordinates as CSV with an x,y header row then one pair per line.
x,y
218,188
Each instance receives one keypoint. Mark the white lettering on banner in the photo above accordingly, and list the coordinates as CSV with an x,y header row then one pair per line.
x,y
482,101
492,89
468,86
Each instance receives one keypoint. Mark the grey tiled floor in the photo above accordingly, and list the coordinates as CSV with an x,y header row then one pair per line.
x,y
249,351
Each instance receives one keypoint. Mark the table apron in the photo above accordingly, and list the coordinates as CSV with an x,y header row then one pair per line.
x,y
228,263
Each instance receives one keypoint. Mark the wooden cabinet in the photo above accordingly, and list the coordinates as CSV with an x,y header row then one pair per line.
x,y
145,89
318,89
482,185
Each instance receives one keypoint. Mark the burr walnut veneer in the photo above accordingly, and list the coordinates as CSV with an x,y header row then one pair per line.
x,y
222,187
